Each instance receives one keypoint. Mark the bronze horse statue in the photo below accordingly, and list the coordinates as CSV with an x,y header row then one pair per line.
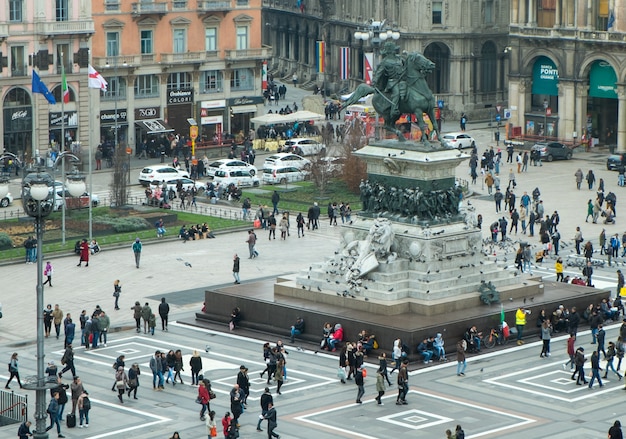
x,y
418,98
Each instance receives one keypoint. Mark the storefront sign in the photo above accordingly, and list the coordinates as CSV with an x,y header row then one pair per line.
x,y
109,117
245,100
19,114
180,96
147,113
207,105
545,77
69,120
212,120
602,80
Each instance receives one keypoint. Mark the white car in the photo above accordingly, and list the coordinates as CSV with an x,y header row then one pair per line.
x,y
8,199
231,165
239,178
159,173
458,141
304,146
283,175
71,202
283,159
187,183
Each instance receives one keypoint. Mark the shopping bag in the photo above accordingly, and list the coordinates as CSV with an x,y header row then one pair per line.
x,y
341,373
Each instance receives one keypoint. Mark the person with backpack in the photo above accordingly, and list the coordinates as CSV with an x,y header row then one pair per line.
x,y
84,405
13,370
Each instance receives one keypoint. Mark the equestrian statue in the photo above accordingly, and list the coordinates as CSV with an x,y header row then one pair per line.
x,y
399,87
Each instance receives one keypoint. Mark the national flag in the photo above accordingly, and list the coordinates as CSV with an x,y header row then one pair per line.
x,y
39,87
368,67
64,90
96,80
320,56
264,76
502,315
611,21
345,63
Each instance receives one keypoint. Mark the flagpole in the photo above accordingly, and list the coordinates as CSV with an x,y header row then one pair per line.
x,y
63,148
35,119
89,152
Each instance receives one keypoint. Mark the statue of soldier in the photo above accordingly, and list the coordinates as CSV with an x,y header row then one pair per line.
x,y
389,77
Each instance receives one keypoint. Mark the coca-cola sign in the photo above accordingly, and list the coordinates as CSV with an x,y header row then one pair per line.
x,y
147,113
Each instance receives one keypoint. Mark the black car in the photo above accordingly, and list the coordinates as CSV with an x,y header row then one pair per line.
x,y
553,150
614,161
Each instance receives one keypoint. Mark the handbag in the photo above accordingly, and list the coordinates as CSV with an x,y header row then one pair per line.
x,y
213,431
212,394
198,400
120,384
341,373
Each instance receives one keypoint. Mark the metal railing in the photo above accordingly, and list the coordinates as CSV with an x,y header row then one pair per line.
x,y
13,407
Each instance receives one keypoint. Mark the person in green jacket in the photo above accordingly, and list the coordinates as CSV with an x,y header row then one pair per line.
x,y
137,251
152,323
105,323
146,312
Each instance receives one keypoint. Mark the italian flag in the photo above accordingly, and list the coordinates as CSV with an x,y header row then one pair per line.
x,y
64,89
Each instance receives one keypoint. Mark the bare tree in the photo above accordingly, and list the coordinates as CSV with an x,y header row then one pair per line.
x,y
119,183
353,139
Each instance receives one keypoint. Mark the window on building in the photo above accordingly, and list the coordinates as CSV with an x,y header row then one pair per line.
x,y
146,37
210,38
18,62
113,43
603,15
212,81
146,86
16,8
66,59
546,13
242,37
112,5
179,43
488,67
178,80
242,79
489,12
62,11
242,2
437,8
438,81
116,88
180,4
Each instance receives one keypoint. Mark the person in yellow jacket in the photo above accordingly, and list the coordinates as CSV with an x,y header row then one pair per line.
x,y
558,266
520,322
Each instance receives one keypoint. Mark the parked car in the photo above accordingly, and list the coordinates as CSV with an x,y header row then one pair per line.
x,y
7,200
614,161
284,174
458,141
238,177
159,173
187,183
553,150
283,159
304,146
230,164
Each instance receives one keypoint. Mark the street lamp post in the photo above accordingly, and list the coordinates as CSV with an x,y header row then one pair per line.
x,y
377,32
61,158
38,193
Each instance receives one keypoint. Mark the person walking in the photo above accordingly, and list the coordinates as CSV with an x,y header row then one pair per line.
x,y
461,363
146,311
360,384
271,222
14,371
156,366
57,318
203,399
300,224
266,400
84,253
595,369
578,175
615,432
591,179
545,338
53,411
236,269
137,251
251,243
211,425
76,389
380,385
195,362
68,361
271,416
164,311
117,290
61,390
137,315
610,355
48,271
403,384
520,323
571,352
84,405
578,238
579,362
275,201
558,267
133,380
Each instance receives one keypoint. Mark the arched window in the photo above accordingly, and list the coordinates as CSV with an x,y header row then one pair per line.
x,y
439,79
488,67
57,92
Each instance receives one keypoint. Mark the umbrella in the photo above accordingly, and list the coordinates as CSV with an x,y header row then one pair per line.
x,y
269,119
303,115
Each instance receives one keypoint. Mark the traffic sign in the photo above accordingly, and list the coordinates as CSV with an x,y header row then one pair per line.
x,y
507,113
193,132
498,118
440,103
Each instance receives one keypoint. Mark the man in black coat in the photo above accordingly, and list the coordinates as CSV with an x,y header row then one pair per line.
x,y
266,400
271,421
164,310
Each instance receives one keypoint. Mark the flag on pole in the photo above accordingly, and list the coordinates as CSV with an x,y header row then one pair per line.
x,y
502,316
264,76
64,89
611,21
320,55
345,63
368,67
96,80
39,87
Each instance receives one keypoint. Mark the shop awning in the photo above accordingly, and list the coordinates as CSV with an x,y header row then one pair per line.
x,y
154,126
244,109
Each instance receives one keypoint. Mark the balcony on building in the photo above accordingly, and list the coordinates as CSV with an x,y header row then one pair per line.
x,y
264,52
205,6
121,61
53,29
184,57
149,8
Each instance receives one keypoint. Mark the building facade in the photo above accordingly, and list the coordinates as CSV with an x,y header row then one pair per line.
x,y
166,62
49,36
466,39
568,69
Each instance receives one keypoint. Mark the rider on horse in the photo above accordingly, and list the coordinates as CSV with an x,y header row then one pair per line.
x,y
389,77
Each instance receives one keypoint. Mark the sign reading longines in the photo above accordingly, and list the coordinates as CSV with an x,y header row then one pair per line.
x,y
147,113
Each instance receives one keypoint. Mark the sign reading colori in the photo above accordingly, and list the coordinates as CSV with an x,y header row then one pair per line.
x,y
180,96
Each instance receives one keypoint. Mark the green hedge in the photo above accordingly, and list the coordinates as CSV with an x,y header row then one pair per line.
x,y
123,224
5,241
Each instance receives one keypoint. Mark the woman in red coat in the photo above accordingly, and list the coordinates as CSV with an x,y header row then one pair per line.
x,y
203,398
84,253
